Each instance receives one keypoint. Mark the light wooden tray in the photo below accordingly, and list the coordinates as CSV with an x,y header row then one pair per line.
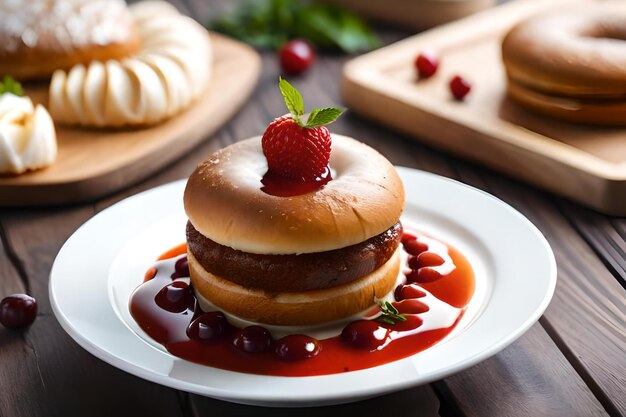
x,y
94,162
587,164
415,14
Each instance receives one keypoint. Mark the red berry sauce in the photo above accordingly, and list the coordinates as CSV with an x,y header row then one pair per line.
x,y
281,186
436,278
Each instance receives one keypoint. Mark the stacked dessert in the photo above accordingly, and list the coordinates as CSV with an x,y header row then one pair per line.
x,y
295,262
283,231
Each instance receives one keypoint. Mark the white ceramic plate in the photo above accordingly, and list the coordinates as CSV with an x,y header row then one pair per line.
x,y
105,259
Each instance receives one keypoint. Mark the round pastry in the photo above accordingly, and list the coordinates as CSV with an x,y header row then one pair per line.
x,y
170,70
571,64
38,37
303,259
27,135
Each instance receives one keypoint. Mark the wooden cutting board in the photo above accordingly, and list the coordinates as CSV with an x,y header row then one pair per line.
x,y
584,163
94,162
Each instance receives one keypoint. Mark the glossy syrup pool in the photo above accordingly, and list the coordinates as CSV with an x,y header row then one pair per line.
x,y
435,285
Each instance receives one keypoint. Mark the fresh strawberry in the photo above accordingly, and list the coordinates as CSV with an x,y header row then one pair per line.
x,y
296,152
294,149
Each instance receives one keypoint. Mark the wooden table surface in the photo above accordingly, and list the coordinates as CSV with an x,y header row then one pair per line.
x,y
571,363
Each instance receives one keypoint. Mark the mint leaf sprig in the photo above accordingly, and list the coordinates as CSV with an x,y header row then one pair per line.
x,y
271,23
9,85
389,314
295,105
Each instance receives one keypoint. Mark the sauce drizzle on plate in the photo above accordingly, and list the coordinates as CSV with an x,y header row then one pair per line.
x,y
436,284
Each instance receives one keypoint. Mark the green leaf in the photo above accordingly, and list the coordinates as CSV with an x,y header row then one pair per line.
x,y
330,26
270,23
389,314
293,98
321,117
9,85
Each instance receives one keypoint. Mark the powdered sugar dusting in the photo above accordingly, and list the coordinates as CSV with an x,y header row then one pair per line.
x,y
63,25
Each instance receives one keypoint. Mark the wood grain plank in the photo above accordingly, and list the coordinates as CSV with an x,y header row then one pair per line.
x,y
416,401
79,384
607,236
21,384
10,280
35,237
587,316
529,378
18,365
43,371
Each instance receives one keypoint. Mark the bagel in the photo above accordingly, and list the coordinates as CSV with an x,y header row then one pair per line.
x,y
570,64
271,259
224,201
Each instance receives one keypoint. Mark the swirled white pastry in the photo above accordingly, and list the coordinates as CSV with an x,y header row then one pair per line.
x,y
171,69
27,135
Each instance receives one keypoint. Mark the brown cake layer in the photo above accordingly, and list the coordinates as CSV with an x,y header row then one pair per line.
x,y
293,273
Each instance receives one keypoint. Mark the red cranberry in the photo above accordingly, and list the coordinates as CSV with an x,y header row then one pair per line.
x,y
181,268
423,275
429,259
364,334
208,326
415,247
175,297
296,56
411,307
297,347
404,292
412,322
459,87
427,64
253,339
18,311
407,237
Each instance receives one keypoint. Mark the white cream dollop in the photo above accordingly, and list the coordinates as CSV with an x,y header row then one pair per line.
x,y
27,135
171,69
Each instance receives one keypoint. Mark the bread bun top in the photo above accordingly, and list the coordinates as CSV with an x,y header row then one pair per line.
x,y
224,201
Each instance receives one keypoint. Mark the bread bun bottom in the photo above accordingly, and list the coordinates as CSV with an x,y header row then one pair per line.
x,y
571,109
295,308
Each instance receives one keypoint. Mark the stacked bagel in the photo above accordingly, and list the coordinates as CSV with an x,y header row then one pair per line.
x,y
300,260
571,64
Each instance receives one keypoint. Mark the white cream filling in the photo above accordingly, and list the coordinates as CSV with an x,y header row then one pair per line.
x,y
27,135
